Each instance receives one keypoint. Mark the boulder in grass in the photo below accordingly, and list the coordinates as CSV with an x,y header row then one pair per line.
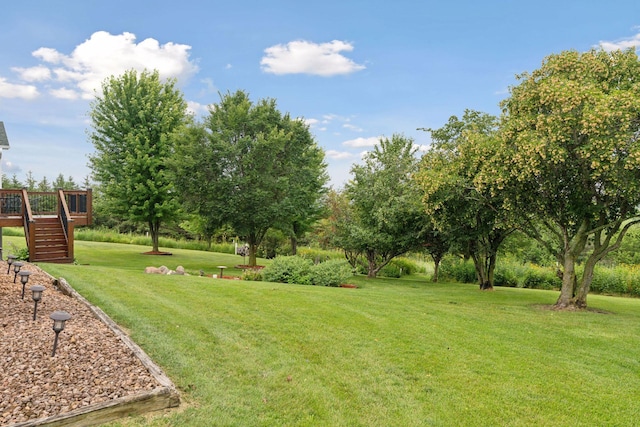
x,y
153,270
180,270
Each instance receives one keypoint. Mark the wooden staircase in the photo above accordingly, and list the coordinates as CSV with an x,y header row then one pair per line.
x,y
48,219
50,242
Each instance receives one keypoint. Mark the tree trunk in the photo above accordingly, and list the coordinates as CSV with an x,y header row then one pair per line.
x,y
436,267
565,300
488,285
580,299
294,245
154,230
572,248
372,272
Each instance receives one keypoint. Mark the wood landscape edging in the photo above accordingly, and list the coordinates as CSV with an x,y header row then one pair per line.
x,y
163,397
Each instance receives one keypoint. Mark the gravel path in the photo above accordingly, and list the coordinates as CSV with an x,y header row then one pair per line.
x,y
91,364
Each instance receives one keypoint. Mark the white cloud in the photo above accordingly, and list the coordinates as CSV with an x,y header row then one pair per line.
x,y
64,93
10,90
338,155
104,55
353,128
196,108
622,44
303,57
39,73
362,142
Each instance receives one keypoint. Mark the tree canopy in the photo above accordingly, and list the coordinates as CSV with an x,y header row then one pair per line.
x,y
569,161
133,121
457,207
386,219
251,167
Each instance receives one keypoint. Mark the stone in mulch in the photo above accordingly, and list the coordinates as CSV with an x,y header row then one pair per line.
x,y
91,364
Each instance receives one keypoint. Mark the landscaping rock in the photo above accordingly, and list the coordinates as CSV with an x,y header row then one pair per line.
x,y
153,270
91,364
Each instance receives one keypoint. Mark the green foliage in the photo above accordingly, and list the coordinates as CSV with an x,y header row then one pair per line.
x,y
288,269
331,273
569,161
295,269
273,243
541,278
379,214
320,255
254,275
133,121
249,166
455,269
459,208
110,236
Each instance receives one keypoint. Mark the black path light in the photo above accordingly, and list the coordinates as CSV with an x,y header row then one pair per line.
x,y
24,278
16,268
58,317
37,296
10,260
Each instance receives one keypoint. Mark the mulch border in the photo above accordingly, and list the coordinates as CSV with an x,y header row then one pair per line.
x,y
163,397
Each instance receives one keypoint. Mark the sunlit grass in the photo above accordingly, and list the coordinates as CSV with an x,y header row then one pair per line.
x,y
394,352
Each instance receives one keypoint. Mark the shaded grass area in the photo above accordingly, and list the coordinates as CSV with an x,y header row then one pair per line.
x,y
394,352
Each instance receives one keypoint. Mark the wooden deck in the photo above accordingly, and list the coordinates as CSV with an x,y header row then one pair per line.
x,y
48,219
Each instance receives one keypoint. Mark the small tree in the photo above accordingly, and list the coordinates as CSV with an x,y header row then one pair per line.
x,y
469,217
133,121
386,217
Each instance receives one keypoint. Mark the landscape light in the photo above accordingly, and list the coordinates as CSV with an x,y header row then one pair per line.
x,y
58,317
10,260
24,278
16,268
37,296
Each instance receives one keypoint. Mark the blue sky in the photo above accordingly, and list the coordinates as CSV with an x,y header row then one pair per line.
x,y
354,70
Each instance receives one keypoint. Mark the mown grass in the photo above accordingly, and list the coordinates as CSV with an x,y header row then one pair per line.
x,y
394,352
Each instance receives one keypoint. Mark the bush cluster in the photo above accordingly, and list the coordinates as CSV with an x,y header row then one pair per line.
x,y
622,279
507,273
296,269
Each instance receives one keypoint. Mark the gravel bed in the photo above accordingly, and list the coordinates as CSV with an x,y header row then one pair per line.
x,y
91,364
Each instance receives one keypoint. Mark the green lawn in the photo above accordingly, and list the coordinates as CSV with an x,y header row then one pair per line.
x,y
396,352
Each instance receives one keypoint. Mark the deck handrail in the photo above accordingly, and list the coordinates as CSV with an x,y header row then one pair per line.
x,y
30,230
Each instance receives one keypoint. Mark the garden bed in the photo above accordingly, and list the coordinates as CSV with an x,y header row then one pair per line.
x,y
97,374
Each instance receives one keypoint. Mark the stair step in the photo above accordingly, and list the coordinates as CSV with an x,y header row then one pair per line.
x,y
50,241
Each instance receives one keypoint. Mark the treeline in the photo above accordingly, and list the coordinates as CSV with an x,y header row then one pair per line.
x,y
32,184
560,166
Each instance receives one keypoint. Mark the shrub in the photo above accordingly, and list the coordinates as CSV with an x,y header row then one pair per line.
x,y
288,269
541,278
405,265
610,280
458,270
252,275
505,277
319,255
390,270
331,273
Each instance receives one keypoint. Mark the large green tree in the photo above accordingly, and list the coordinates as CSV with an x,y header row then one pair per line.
x,y
385,216
251,167
458,208
569,164
132,125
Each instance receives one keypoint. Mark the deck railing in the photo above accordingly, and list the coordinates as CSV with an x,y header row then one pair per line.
x,y
12,205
